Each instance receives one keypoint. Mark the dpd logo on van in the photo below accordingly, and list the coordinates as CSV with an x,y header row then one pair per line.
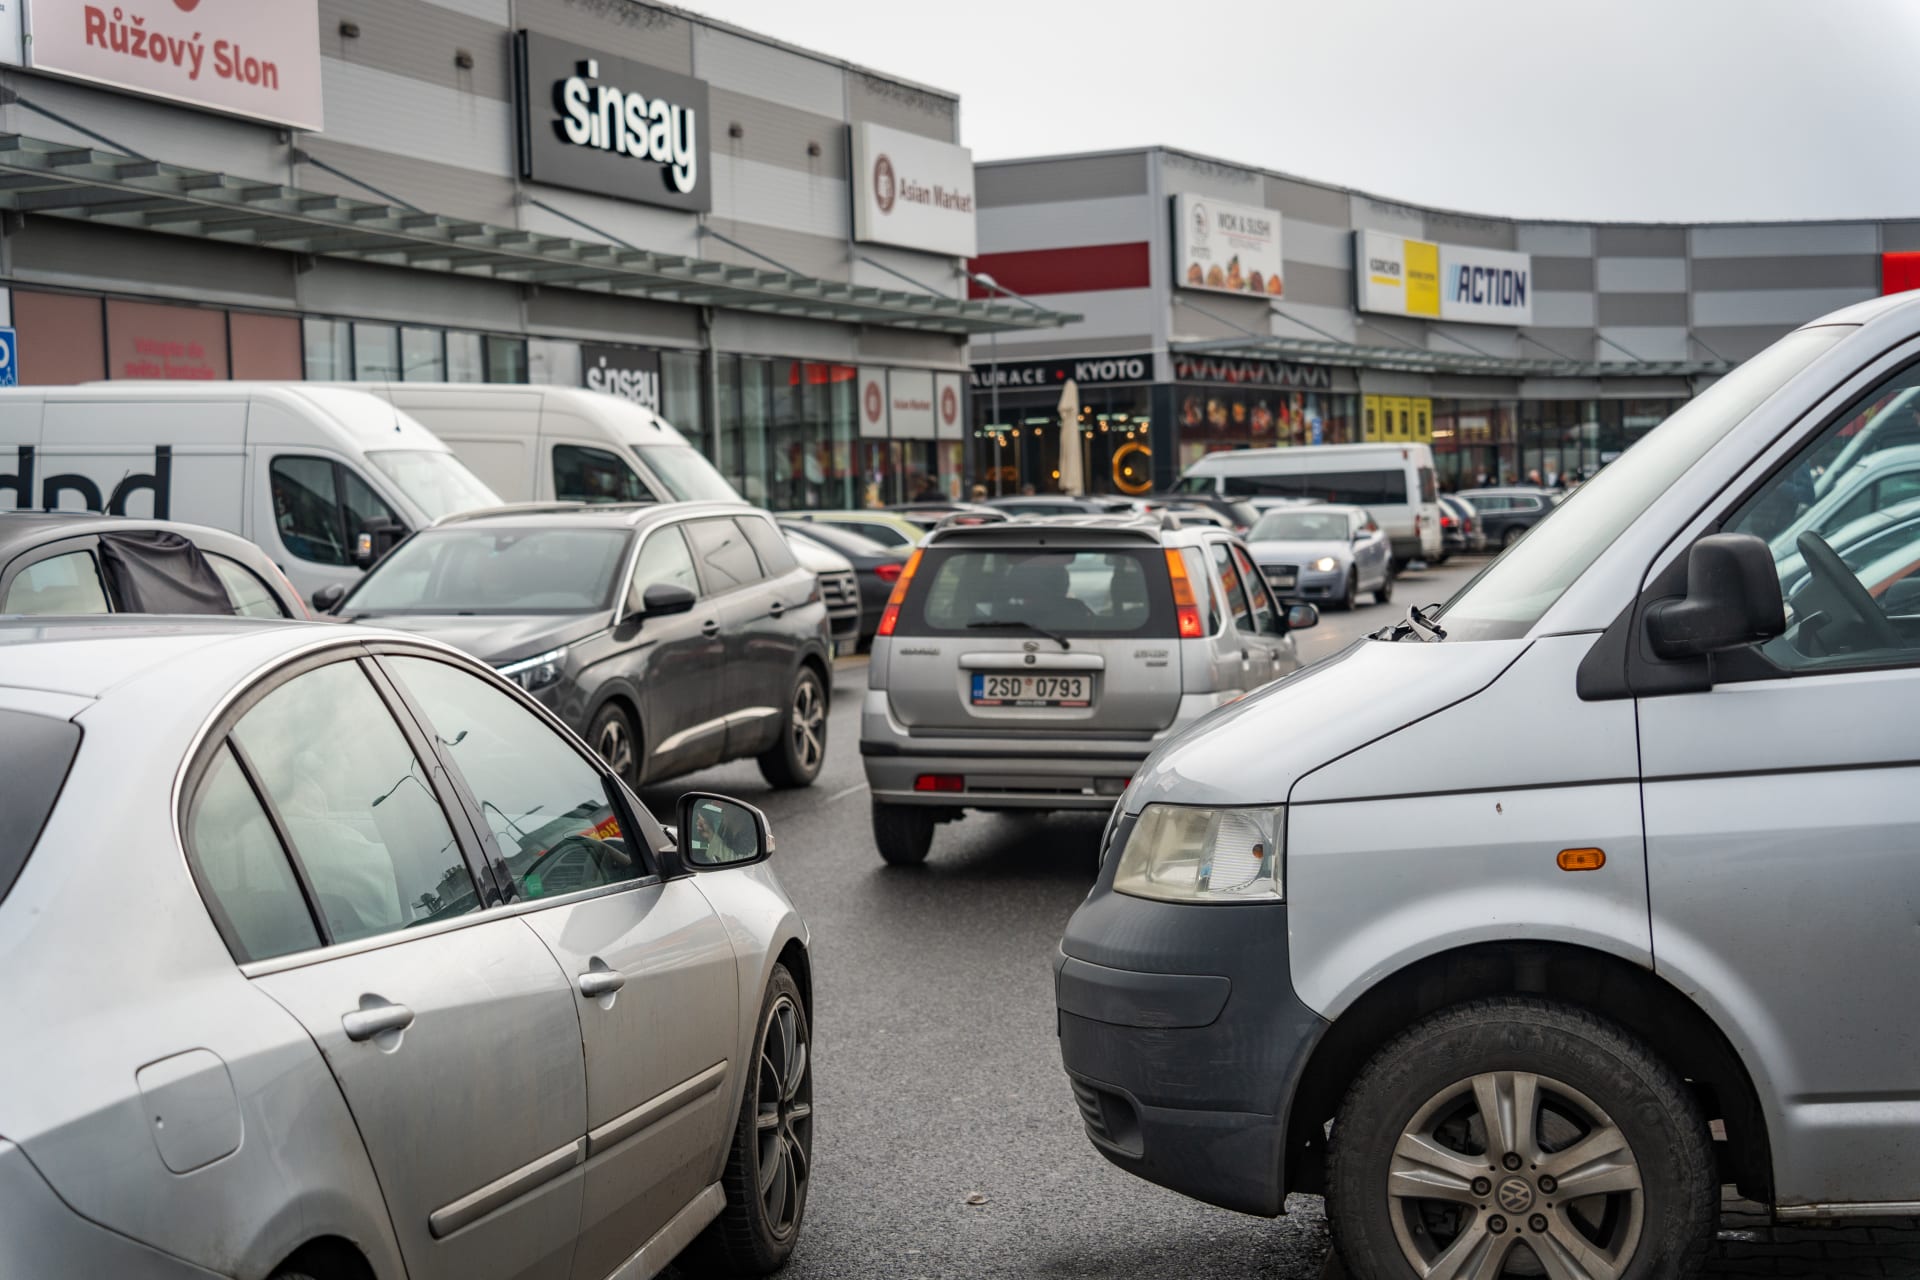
x,y
158,482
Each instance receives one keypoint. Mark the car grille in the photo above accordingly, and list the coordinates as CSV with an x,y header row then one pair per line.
x,y
1089,1100
840,590
1281,570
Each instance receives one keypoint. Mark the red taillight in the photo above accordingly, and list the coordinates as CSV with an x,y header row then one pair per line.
x,y
891,618
1446,522
939,782
888,572
1185,607
1416,522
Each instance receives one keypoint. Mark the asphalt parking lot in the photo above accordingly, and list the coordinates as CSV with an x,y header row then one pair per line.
x,y
947,1141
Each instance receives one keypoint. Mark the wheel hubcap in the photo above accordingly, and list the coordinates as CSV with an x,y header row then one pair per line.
x,y
783,1117
1511,1173
809,724
616,748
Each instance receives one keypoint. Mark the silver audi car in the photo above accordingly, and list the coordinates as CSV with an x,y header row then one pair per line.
x,y
331,954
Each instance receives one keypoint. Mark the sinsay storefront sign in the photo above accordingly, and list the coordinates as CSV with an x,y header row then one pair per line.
x,y
632,373
599,123
912,191
243,57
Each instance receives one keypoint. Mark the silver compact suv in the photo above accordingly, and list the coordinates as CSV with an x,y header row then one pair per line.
x,y
387,975
1034,663
1523,926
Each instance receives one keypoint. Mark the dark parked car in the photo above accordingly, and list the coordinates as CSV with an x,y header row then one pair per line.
x,y
1234,514
671,637
1505,514
1461,531
71,562
875,568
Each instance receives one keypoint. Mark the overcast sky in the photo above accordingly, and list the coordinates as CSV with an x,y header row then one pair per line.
x,y
1642,110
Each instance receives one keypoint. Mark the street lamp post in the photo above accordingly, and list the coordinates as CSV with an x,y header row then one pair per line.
x,y
987,282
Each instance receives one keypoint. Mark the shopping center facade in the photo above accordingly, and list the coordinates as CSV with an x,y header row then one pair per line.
x,y
1225,306
764,243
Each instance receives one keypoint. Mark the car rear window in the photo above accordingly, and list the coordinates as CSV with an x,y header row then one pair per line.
x,y
1090,592
35,753
1350,488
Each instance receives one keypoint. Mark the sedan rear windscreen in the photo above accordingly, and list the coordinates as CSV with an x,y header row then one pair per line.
x,y
1110,591
1352,488
35,753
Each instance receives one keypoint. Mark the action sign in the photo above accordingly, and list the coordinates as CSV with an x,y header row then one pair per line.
x,y
1400,277
9,358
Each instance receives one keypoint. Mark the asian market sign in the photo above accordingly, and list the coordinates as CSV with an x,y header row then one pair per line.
x,y
596,122
243,57
912,191
1396,276
1228,248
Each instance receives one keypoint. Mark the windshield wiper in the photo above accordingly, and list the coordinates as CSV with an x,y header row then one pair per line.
x,y
1416,624
1002,624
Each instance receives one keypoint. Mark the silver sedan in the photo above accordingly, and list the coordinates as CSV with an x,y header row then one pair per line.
x,y
1323,553
330,954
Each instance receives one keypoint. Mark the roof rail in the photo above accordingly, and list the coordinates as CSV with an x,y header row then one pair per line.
x,y
532,509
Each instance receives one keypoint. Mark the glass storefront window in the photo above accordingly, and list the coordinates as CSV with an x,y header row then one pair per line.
x,y
465,361
681,402
843,391
328,349
506,359
376,352
1113,432
422,357
756,377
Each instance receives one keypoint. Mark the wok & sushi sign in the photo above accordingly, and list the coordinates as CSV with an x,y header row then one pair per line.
x,y
1228,248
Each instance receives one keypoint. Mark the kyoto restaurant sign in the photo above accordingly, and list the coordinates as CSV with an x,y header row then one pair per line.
x,y
1092,371
600,123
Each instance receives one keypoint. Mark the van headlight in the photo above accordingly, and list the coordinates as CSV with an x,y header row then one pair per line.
x,y
1325,564
1177,853
537,672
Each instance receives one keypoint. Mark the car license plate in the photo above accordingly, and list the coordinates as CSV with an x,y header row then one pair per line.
x,y
1281,581
1032,691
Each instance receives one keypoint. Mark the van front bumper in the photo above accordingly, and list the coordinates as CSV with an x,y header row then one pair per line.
x,y
1183,1041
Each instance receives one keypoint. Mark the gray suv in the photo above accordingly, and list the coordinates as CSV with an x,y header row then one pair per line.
x,y
671,637
1034,663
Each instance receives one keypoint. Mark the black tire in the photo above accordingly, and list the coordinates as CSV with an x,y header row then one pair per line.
x,y
1511,536
613,735
1383,594
755,1234
796,759
903,832
1351,596
1655,1220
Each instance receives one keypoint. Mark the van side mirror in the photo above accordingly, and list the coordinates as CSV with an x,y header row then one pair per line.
x,y
663,599
328,598
1733,600
1302,616
718,831
378,535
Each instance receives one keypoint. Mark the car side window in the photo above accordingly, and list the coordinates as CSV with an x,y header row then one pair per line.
x,y
1844,543
361,504
64,584
726,558
769,545
663,558
243,870
1198,573
550,811
306,509
250,596
1263,616
1230,580
358,806
581,474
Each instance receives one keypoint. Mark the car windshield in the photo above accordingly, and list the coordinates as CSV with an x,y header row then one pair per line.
x,y
500,570
437,483
1300,526
1067,593
686,473
1505,599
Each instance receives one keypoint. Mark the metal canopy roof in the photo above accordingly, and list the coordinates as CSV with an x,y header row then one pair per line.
x,y
1410,360
64,181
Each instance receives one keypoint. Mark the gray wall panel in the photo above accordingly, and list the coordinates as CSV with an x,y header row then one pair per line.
x,y
1236,316
1290,319
808,254
1737,342
899,106
773,133
1326,286
1553,309
1786,307
1643,308
417,39
902,346
778,336
1368,214
57,251
1484,233
1900,237
1050,181
438,188
1562,273
157,129
1112,220
1317,243
1555,343
636,31
1784,240
572,313
1046,348
744,65
1554,239
498,12
1474,339
358,289
662,230
1640,275
1209,178
1308,202
774,196
443,125
1641,242
1653,341
1858,271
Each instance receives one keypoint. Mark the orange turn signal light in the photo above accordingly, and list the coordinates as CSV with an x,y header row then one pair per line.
x,y
1582,859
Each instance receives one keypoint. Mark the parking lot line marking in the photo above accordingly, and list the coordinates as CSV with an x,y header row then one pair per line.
x,y
842,795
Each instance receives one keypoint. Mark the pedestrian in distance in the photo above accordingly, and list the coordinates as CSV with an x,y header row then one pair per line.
x,y
979,493
928,491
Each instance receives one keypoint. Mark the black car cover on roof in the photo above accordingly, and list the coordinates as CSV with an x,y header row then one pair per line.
x,y
158,571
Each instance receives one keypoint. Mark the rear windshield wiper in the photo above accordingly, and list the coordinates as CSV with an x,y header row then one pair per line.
x,y
1416,624
1002,624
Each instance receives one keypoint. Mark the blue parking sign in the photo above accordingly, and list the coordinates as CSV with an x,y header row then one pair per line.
x,y
9,357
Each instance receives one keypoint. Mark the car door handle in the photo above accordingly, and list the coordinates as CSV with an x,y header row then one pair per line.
x,y
365,1024
601,982
775,609
710,628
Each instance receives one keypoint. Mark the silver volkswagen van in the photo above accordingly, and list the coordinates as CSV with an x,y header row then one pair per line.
x,y
1523,1009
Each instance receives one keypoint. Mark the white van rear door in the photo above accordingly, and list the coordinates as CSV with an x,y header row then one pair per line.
x,y
169,458
491,429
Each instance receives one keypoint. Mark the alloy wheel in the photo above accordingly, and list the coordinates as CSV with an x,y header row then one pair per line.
x,y
809,726
783,1116
615,746
1510,1173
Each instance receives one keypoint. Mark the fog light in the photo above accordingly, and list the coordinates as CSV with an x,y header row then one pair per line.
x,y
1109,786
940,782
